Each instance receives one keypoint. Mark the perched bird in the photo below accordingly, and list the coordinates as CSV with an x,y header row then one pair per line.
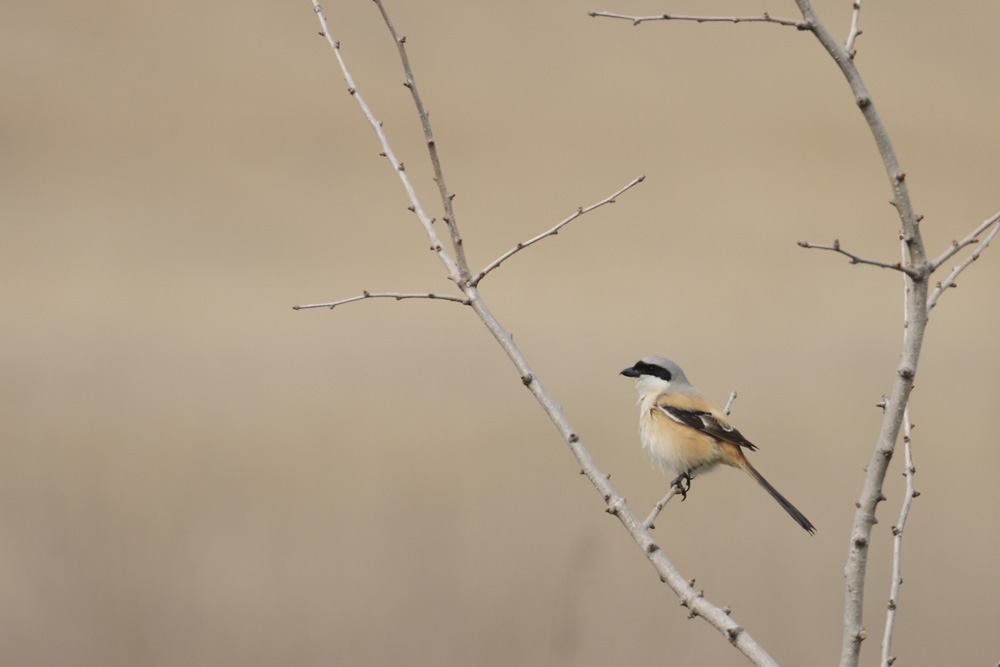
x,y
684,432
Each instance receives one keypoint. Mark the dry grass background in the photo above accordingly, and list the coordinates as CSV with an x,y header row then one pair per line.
x,y
194,474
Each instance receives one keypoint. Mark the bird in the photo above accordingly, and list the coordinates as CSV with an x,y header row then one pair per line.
x,y
686,433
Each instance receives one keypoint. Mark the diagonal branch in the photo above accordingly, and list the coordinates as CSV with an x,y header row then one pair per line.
x,y
552,232
694,600
658,507
763,18
950,280
898,266
967,241
446,196
454,273
398,296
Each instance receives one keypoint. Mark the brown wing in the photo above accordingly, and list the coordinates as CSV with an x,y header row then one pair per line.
x,y
702,420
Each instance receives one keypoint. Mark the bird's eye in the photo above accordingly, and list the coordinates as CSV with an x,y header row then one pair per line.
x,y
655,371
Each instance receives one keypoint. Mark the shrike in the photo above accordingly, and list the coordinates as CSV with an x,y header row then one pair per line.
x,y
684,432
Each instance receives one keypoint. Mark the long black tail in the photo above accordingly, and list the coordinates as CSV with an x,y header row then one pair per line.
x,y
783,501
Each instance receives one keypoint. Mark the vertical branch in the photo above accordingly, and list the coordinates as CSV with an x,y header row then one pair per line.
x,y
852,36
897,542
916,321
446,196
454,273
897,177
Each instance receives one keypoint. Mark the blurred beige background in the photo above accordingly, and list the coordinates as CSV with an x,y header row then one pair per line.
x,y
194,474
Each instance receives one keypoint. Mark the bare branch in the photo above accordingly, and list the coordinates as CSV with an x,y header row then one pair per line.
x,y
658,507
897,548
552,232
385,295
729,404
950,280
855,30
446,196
690,598
454,273
763,18
967,241
898,266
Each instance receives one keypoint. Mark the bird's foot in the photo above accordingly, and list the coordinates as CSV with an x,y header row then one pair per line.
x,y
679,482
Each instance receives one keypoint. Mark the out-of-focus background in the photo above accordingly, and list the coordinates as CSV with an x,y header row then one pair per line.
x,y
192,473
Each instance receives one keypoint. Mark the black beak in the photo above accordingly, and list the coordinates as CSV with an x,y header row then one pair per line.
x,y
630,372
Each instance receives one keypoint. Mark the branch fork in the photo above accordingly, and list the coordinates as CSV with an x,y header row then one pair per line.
x,y
915,266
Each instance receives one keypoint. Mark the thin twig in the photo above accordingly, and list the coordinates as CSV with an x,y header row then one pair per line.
x,y
454,273
897,546
855,30
552,232
729,404
967,241
898,266
446,196
950,280
658,507
385,295
763,18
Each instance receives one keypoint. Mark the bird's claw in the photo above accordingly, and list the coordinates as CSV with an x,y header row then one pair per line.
x,y
681,487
